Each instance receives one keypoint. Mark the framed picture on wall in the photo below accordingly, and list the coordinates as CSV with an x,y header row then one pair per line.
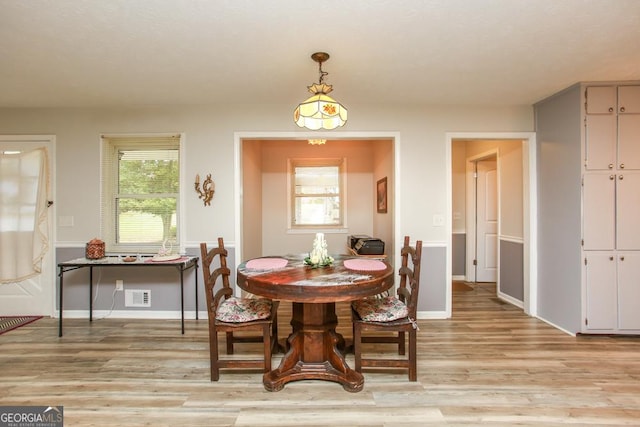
x,y
381,191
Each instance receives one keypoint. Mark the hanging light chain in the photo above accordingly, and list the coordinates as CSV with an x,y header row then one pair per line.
x,y
322,73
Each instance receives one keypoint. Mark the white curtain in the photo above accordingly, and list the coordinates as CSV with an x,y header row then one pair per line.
x,y
24,234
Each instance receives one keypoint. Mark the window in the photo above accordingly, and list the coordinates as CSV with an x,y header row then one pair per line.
x,y
141,193
317,193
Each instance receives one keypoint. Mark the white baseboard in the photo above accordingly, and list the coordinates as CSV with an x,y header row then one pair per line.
x,y
131,314
423,315
511,300
188,315
556,326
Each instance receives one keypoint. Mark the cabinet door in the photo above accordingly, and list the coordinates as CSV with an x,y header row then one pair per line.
x,y
627,209
599,211
629,141
601,100
629,99
600,137
628,127
629,290
601,294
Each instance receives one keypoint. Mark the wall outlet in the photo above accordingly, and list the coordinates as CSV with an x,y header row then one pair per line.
x,y
438,220
119,285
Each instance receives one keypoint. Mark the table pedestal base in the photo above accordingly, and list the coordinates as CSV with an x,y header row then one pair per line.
x,y
313,352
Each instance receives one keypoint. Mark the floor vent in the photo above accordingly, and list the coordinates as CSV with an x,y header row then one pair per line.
x,y
137,298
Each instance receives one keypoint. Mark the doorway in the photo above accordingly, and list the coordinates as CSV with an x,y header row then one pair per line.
x,y
516,238
261,196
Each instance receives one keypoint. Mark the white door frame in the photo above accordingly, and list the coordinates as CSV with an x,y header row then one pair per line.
x,y
50,142
530,224
238,137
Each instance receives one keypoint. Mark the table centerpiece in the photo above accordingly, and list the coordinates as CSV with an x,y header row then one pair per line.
x,y
319,256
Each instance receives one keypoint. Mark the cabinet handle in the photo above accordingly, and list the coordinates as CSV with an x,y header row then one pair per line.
x,y
611,109
610,258
621,165
622,109
620,177
610,165
612,177
622,258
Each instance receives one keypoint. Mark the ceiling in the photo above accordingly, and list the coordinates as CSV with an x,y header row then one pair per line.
x,y
92,53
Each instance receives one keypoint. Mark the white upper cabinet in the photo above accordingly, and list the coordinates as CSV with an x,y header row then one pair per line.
x,y
601,100
629,99
612,126
629,127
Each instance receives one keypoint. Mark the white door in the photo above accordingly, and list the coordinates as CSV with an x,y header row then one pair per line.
x,y
487,221
33,296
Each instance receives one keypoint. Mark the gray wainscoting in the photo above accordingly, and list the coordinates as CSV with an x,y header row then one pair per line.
x,y
512,269
459,254
163,282
433,279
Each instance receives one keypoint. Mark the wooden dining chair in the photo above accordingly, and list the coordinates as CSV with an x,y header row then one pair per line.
x,y
230,315
396,315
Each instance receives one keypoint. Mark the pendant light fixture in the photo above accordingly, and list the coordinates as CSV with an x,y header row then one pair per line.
x,y
320,111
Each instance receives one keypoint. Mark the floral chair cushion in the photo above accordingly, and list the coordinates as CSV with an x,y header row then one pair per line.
x,y
384,309
238,310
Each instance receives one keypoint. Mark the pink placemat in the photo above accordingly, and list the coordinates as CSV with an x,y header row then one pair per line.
x,y
363,264
266,263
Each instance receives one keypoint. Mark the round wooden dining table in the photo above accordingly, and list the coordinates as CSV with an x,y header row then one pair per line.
x,y
314,351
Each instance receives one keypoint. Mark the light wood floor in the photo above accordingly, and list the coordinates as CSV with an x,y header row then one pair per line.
x,y
488,365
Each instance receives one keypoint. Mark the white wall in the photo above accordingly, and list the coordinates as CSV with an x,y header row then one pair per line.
x,y
459,185
209,134
209,138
